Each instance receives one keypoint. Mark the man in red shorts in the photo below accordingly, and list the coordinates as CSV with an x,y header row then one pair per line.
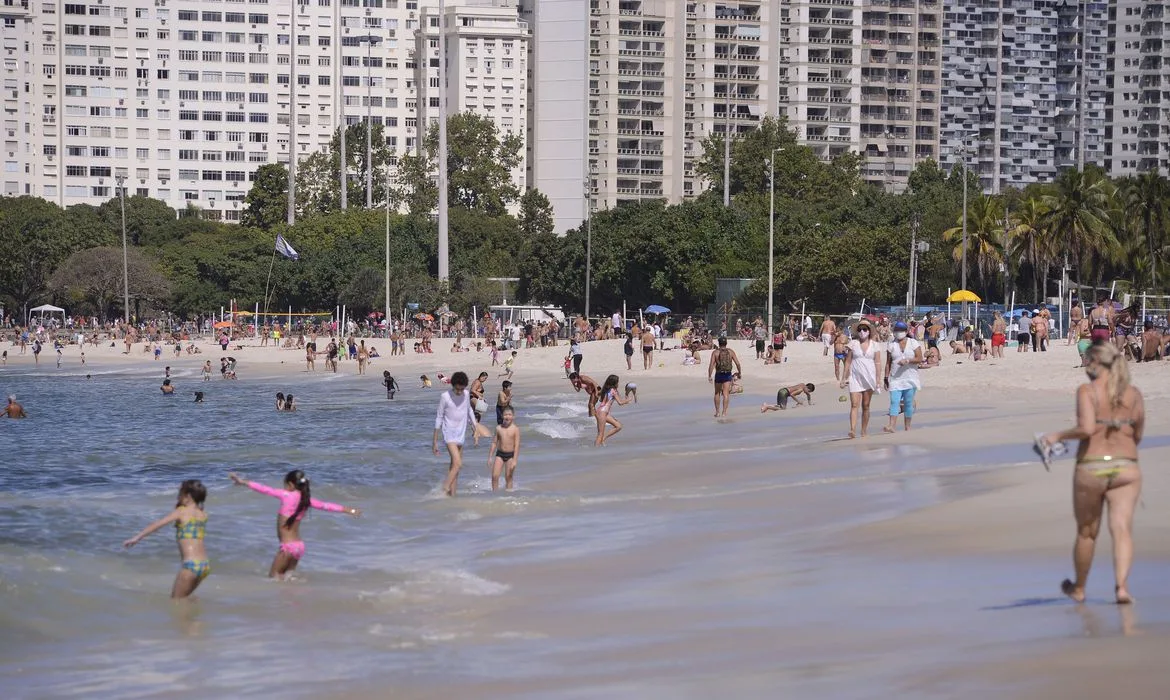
x,y
998,335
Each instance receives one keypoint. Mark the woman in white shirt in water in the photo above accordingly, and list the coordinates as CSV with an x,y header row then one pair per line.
x,y
862,375
902,360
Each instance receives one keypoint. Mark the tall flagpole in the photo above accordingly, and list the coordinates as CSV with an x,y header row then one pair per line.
x,y
444,272
271,262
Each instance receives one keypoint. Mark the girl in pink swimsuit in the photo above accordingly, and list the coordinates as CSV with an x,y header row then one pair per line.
x,y
295,501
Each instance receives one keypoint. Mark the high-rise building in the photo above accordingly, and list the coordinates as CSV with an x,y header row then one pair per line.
x,y
1024,88
186,99
558,161
487,67
863,77
664,75
1138,111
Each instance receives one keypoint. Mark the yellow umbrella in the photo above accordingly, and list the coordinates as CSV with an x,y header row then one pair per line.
x,y
963,295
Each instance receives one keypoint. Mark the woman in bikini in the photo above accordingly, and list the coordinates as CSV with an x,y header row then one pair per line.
x,y
295,501
1110,420
604,411
190,524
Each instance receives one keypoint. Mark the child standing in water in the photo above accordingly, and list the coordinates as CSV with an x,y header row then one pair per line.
x,y
190,524
295,501
505,450
503,401
604,411
390,384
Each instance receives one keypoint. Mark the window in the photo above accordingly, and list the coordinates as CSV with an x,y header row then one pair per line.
x,y
49,150
234,156
258,117
234,117
257,97
76,171
188,94
142,153
257,137
101,171
210,135
213,156
188,115
77,151
188,154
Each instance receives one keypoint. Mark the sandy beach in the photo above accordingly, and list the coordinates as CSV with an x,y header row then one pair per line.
x,y
763,555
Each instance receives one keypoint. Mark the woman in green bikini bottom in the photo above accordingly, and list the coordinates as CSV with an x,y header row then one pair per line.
x,y
1110,419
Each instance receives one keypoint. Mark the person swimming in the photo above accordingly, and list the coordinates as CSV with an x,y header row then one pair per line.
x,y
295,501
190,527
167,389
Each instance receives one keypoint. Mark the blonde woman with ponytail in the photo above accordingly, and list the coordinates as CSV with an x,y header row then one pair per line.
x,y
1110,419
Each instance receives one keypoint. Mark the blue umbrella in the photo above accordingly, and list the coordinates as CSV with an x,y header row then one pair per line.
x,y
656,309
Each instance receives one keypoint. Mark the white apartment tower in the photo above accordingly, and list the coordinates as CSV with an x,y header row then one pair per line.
x,y
487,67
186,99
1024,88
1138,111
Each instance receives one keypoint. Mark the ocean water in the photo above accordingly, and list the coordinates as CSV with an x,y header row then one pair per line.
x,y
397,594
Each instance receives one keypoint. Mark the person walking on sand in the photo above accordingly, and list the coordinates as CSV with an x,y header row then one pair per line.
x,y
604,411
840,352
902,360
723,365
451,420
828,333
504,452
363,356
647,348
862,375
1111,419
1075,314
998,335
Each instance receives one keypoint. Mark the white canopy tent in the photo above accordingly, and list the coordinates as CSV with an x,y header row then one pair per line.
x,y
46,309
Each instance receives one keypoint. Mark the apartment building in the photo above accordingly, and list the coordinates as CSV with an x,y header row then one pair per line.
x,y
864,77
1024,88
1138,109
487,67
186,99
663,76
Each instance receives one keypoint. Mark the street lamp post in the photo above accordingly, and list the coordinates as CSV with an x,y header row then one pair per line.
x,y
772,232
370,41
963,282
125,262
388,171
588,244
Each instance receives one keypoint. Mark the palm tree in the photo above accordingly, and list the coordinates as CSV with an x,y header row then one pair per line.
x,y
985,237
1078,205
1147,202
1029,241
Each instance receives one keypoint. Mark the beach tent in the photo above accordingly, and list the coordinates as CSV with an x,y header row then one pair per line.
x,y
45,309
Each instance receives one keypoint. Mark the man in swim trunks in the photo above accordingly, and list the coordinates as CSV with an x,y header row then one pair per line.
x,y
790,392
760,335
998,335
13,409
840,342
719,371
1024,334
828,333
1075,314
647,348
579,382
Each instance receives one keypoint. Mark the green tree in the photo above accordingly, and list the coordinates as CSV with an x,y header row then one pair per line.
x,y
148,221
95,276
985,238
267,201
319,175
480,162
1029,241
1147,202
536,213
1078,205
33,242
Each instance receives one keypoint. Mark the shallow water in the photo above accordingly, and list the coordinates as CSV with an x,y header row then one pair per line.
x,y
400,592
